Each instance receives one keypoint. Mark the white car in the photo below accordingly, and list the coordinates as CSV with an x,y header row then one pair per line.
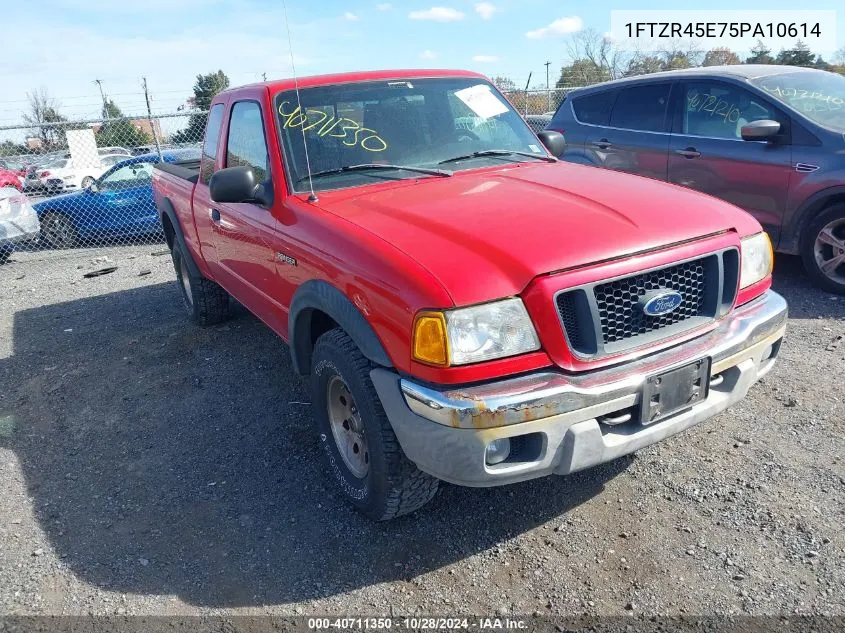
x,y
18,221
62,175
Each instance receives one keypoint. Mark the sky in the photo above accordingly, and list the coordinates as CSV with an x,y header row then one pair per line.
x,y
64,45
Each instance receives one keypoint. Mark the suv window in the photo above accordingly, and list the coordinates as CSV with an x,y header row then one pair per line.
x,y
209,147
246,145
719,110
594,108
641,108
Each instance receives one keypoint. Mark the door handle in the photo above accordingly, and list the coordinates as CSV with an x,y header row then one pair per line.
x,y
602,144
689,152
214,214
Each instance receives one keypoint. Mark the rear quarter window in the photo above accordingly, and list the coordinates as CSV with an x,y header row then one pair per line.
x,y
594,108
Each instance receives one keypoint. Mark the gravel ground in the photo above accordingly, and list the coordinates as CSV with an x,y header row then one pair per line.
x,y
152,467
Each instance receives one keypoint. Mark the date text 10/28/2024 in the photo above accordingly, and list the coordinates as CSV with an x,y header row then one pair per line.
x,y
418,623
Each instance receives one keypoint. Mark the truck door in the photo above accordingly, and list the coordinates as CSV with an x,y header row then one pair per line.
x,y
707,152
247,236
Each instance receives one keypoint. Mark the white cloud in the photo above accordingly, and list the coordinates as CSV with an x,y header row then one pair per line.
x,y
485,59
438,14
562,26
485,10
427,54
384,6
350,16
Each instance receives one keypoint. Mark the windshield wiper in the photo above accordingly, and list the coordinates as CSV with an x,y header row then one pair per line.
x,y
368,166
498,152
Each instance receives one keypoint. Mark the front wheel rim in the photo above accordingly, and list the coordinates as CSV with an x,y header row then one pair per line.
x,y
829,250
347,427
59,232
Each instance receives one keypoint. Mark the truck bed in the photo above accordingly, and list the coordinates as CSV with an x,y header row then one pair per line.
x,y
185,169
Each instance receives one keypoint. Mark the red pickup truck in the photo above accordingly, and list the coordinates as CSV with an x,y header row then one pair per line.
x,y
466,307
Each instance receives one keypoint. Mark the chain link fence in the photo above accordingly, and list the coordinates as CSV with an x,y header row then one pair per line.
x,y
72,185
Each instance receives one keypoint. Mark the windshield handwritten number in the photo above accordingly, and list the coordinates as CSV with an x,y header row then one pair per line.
x,y
332,127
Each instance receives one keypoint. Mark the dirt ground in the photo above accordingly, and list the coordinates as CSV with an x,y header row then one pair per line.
x,y
148,466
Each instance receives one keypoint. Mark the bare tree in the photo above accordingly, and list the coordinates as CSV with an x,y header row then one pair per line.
x,y
681,54
721,56
44,110
591,46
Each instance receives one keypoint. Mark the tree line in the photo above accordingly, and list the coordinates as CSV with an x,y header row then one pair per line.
x,y
596,59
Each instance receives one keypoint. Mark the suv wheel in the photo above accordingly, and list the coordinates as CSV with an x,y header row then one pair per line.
x,y
823,249
206,302
363,454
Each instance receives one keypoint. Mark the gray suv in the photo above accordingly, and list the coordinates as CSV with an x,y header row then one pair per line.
x,y
769,139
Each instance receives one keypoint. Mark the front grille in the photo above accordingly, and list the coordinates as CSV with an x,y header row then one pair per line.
x,y
618,302
607,317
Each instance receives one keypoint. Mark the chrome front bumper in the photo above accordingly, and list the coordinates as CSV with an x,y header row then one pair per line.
x,y
557,416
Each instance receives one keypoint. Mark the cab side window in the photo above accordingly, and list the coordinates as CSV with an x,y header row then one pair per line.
x,y
641,108
246,145
209,147
719,110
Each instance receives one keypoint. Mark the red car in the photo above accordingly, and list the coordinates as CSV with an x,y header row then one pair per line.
x,y
466,307
10,177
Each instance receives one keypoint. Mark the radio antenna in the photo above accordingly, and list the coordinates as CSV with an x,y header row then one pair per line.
x,y
313,196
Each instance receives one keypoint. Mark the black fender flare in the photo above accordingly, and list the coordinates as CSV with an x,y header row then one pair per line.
x,y
808,209
165,209
320,295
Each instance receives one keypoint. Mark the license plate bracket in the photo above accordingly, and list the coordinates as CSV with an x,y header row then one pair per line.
x,y
675,390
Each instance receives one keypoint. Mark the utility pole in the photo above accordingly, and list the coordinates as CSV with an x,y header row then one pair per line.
x,y
548,87
527,83
150,119
102,96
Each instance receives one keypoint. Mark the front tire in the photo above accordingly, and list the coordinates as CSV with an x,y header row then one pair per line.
x,y
823,249
58,231
362,452
86,182
205,302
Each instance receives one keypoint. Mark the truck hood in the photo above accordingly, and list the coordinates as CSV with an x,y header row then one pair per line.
x,y
486,234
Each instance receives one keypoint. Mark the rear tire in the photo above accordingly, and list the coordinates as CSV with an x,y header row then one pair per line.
x,y
376,478
5,253
823,249
205,301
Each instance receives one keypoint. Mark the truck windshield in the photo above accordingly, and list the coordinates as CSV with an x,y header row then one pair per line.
x,y
820,96
418,123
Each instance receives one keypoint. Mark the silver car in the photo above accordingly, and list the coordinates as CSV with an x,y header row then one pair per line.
x,y
18,222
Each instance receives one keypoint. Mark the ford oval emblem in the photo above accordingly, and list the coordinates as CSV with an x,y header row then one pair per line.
x,y
660,302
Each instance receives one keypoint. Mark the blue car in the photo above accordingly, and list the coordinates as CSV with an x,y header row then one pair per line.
x,y
118,204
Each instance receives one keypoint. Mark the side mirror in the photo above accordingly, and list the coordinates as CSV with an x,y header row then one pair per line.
x,y
553,141
763,130
238,184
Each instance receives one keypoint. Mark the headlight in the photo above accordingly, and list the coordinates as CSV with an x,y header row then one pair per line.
x,y
475,334
757,259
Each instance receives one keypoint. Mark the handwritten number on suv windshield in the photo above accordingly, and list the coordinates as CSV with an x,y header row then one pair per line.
x,y
335,127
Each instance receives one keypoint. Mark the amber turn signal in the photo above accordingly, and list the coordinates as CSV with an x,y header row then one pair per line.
x,y
430,343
